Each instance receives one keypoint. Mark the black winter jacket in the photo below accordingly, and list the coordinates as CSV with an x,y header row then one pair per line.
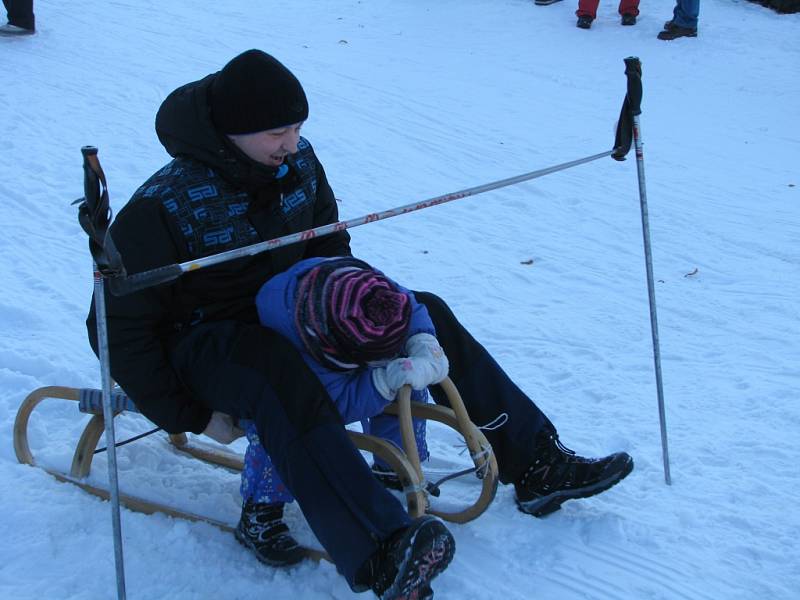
x,y
209,199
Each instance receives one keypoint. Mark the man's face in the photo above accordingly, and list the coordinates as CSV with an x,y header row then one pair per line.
x,y
269,147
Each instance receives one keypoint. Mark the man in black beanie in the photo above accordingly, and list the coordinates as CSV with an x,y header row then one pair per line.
x,y
192,355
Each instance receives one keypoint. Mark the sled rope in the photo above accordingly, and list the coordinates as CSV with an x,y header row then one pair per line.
x,y
129,440
480,471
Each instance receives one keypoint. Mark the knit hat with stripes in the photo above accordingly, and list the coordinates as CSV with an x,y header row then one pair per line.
x,y
348,314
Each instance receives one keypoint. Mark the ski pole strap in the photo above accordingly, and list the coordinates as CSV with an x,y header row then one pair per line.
x,y
633,71
121,285
631,107
94,215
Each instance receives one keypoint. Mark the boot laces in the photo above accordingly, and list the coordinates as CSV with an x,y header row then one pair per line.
x,y
561,446
551,453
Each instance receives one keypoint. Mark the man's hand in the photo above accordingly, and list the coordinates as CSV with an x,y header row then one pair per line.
x,y
425,365
221,428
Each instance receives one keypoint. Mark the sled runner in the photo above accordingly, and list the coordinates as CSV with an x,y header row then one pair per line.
x,y
405,464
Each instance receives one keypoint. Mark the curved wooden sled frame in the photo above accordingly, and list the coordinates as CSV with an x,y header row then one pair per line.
x,y
457,418
407,466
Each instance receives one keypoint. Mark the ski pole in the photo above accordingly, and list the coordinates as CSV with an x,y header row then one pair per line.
x,y
94,214
633,71
122,284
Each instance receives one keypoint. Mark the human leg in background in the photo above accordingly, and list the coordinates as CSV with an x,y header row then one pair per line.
x,y
20,15
529,454
587,8
684,20
685,13
587,12
629,10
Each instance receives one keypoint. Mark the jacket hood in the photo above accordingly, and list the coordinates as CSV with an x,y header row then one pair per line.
x,y
184,126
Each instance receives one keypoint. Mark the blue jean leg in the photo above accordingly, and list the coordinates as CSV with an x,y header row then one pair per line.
x,y
685,13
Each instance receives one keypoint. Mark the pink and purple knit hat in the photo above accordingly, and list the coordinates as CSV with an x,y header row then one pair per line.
x,y
348,314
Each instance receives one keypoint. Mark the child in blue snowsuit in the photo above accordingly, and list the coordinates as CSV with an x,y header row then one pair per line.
x,y
351,325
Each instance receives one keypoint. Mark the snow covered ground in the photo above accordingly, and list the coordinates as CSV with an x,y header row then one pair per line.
x,y
410,100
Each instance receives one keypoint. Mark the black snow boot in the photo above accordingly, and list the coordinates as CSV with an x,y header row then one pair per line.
x,y
628,19
406,563
584,22
558,475
261,528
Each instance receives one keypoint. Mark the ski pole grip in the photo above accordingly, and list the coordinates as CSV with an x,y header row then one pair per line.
x,y
633,71
122,286
91,189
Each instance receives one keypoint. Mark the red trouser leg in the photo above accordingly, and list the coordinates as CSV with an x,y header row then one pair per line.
x,y
629,7
588,8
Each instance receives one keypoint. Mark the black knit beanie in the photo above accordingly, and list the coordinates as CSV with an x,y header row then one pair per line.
x,y
254,92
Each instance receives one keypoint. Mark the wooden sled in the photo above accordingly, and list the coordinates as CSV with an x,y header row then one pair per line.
x,y
405,464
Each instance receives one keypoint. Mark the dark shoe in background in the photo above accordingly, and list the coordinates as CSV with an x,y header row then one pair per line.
x,y
558,475
629,19
262,530
406,563
12,30
584,22
676,31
